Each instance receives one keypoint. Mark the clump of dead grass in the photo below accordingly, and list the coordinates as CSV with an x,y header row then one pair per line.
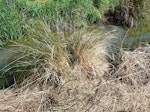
x,y
63,72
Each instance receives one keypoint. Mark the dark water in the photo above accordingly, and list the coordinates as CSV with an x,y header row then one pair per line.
x,y
123,41
8,57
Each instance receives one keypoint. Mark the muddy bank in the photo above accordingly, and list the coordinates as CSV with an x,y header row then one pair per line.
x,y
127,13
9,57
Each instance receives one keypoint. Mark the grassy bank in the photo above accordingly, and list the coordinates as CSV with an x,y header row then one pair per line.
x,y
20,16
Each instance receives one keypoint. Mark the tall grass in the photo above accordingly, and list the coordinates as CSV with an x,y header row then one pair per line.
x,y
57,55
62,14
12,24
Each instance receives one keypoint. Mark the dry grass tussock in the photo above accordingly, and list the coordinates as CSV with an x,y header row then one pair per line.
x,y
64,70
79,87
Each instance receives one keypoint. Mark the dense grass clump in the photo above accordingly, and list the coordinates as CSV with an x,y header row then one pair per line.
x,y
57,54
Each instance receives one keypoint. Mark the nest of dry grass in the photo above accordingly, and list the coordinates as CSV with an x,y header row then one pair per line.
x,y
135,66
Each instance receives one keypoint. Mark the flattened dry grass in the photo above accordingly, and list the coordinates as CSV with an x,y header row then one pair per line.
x,y
135,66
110,97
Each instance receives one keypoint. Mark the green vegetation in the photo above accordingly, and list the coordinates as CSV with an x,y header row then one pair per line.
x,y
19,16
12,24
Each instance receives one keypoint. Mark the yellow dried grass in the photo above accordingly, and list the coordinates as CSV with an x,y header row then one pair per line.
x,y
81,88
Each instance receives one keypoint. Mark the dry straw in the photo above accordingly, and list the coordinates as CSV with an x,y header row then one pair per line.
x,y
65,70
70,78
135,66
